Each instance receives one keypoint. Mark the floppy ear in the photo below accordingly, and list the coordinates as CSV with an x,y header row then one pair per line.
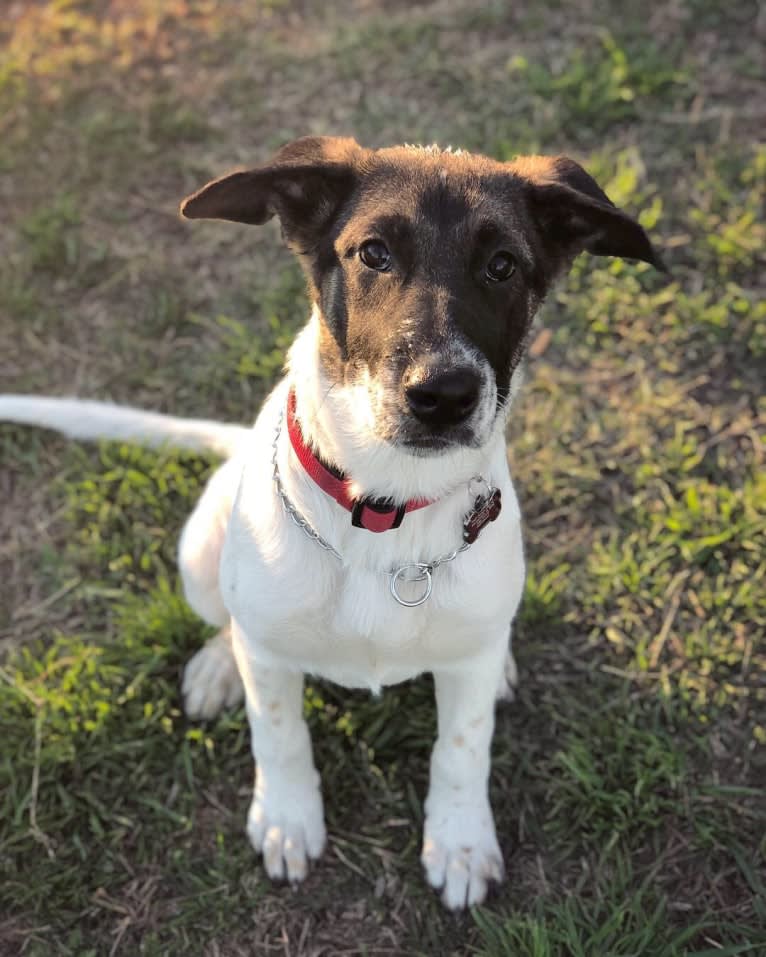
x,y
575,214
303,185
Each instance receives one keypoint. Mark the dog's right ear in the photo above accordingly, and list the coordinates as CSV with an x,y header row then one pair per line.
x,y
303,185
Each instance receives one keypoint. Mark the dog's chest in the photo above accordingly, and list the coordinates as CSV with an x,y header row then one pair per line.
x,y
344,625
300,606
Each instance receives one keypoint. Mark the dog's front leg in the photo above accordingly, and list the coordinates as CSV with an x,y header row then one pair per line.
x,y
286,818
460,849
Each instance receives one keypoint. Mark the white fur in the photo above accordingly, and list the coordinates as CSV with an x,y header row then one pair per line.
x,y
82,419
299,610
287,607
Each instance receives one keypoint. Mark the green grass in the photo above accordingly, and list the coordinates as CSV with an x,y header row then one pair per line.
x,y
601,84
629,777
626,918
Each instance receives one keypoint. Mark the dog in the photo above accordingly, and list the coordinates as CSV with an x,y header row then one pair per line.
x,y
366,528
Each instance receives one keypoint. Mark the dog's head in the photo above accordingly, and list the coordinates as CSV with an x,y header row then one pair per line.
x,y
427,267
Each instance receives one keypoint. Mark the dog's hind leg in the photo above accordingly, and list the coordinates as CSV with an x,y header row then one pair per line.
x,y
211,679
509,677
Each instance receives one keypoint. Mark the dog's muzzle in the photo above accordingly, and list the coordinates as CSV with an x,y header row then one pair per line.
x,y
443,399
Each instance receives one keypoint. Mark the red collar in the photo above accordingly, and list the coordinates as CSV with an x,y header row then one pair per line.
x,y
376,515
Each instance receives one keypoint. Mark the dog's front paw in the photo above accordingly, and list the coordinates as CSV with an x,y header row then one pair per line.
x,y
461,855
211,679
287,833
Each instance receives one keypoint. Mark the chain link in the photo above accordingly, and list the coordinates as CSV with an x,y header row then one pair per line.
x,y
288,506
313,534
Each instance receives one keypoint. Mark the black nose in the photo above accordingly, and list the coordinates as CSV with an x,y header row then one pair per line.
x,y
443,398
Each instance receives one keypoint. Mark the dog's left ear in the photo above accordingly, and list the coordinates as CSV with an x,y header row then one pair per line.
x,y
303,185
574,214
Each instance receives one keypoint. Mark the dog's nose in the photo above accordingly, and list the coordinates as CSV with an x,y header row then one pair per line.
x,y
443,398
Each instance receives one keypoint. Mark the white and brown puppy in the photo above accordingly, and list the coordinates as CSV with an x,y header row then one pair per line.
x,y
331,542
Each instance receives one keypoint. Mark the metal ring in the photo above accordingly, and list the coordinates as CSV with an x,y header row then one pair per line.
x,y
425,575
478,485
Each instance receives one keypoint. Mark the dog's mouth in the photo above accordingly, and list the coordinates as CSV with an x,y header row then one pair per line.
x,y
423,443
426,446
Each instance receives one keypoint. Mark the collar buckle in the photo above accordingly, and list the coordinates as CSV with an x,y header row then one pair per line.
x,y
381,510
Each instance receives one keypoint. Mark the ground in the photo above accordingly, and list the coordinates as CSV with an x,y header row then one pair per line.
x,y
629,773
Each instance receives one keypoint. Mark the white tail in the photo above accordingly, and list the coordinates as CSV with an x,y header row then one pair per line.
x,y
83,419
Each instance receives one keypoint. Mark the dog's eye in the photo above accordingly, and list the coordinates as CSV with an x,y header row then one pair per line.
x,y
500,267
375,255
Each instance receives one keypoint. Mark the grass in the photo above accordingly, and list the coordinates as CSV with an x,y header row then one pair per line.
x,y
629,777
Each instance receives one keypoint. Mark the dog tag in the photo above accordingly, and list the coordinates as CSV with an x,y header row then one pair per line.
x,y
485,509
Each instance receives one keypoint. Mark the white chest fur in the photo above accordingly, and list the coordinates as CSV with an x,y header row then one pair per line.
x,y
299,606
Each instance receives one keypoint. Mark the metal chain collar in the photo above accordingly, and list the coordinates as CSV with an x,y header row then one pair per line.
x,y
409,573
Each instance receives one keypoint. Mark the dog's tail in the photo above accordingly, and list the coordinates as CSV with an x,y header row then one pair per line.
x,y
83,419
